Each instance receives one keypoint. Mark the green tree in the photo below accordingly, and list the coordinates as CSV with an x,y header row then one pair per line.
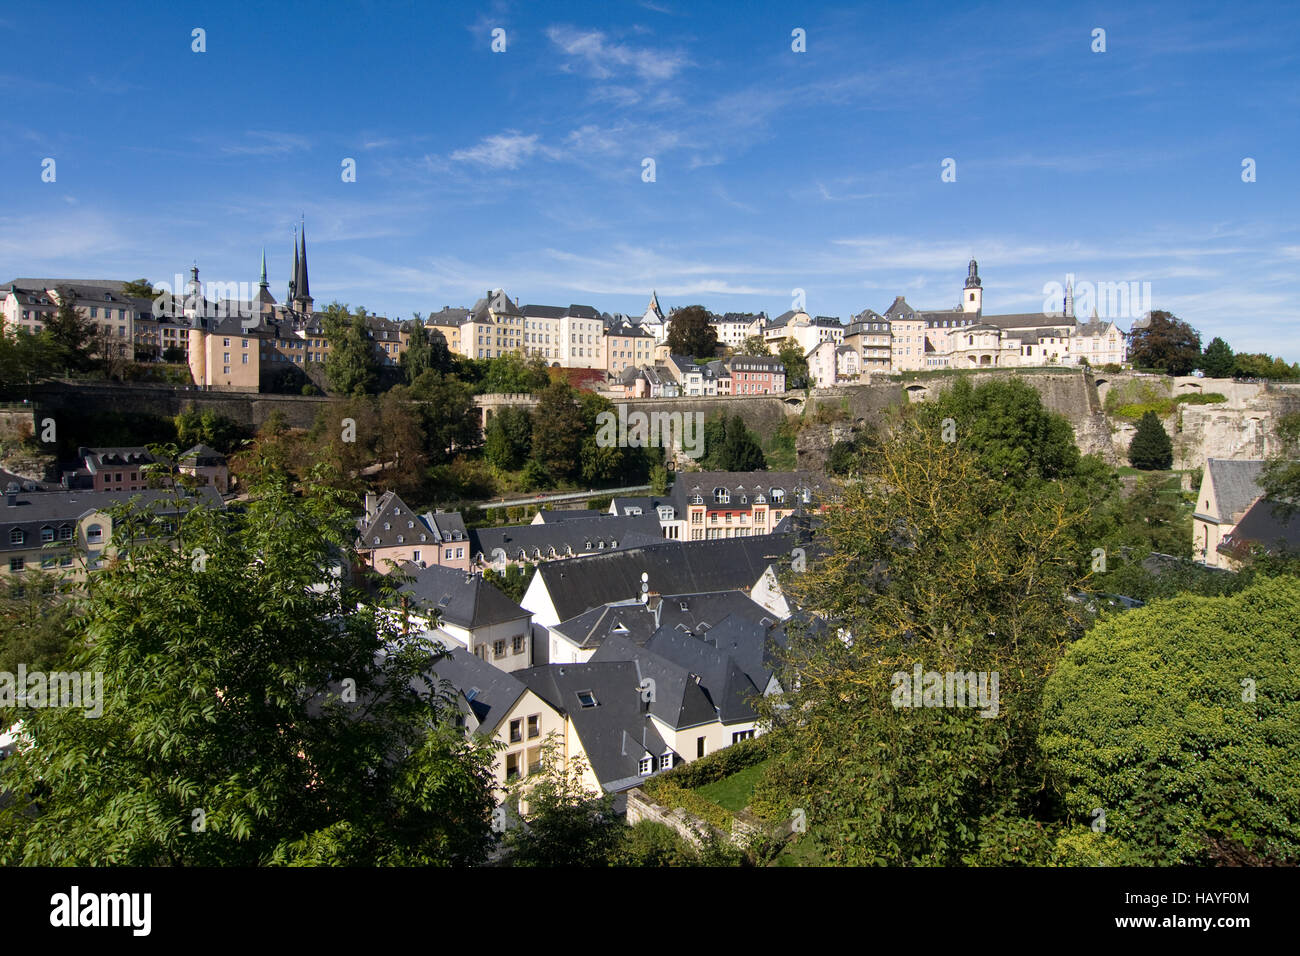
x,y
1280,477
448,414
508,440
564,823
658,480
512,582
1166,343
1151,449
928,563
70,334
741,450
1218,360
511,374
35,619
754,345
1178,721
796,365
558,432
25,358
1262,365
208,427
248,715
1003,421
417,358
689,333
139,289
352,365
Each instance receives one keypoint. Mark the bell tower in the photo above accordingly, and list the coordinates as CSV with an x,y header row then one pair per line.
x,y
972,297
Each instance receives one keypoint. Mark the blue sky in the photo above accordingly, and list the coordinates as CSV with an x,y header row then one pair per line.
x,y
774,170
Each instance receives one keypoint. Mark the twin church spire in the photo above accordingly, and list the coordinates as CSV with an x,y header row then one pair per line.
x,y
300,299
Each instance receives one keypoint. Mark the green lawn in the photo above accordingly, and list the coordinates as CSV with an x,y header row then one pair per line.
x,y
799,852
733,793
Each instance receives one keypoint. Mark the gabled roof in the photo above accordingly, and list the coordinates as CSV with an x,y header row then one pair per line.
x,y
203,456
616,733
466,600
556,539
746,484
1236,485
393,519
672,567
485,692
447,316
30,514
721,678
648,505
680,700
1267,524
629,619
97,459
1028,320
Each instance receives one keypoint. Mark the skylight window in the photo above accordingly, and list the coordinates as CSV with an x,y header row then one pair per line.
x,y
587,699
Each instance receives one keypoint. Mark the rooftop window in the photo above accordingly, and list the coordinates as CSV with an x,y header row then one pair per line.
x,y
586,699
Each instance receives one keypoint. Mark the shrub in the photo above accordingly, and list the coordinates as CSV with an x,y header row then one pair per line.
x,y
1151,448
669,793
719,764
654,844
1181,720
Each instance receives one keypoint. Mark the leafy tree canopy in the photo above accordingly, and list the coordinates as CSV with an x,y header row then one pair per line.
x,y
690,333
1166,343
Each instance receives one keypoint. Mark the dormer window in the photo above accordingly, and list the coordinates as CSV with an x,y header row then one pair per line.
x,y
387,526
722,496
16,536
778,495
399,539
410,524
646,766
422,537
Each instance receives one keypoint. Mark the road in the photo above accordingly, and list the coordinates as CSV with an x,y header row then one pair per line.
x,y
544,499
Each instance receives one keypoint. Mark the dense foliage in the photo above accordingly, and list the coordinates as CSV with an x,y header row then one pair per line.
x,y
250,714
1181,722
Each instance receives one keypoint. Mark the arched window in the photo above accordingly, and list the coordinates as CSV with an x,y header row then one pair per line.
x,y
94,534
778,496
722,496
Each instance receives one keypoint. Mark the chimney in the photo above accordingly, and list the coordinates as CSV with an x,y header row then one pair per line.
x,y
372,504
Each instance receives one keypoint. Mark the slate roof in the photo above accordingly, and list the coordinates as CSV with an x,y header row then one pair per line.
x,y
646,504
540,541
54,509
746,484
466,600
203,456
551,517
1236,484
99,459
673,567
680,700
1027,320
1267,524
616,733
447,316
725,684
629,619
394,520
494,300
485,692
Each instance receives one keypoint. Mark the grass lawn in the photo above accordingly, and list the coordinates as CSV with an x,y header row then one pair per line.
x,y
799,852
733,793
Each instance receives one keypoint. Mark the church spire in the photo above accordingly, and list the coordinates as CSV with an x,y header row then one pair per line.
x,y
292,301
303,284
263,283
1067,309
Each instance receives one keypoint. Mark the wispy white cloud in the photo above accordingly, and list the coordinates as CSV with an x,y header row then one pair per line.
x,y
267,143
603,58
506,150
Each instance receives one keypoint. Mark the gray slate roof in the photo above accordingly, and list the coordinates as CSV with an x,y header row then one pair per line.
x,y
466,600
673,567
615,733
394,519
485,692
54,509
541,541
1236,484
552,517
1266,524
